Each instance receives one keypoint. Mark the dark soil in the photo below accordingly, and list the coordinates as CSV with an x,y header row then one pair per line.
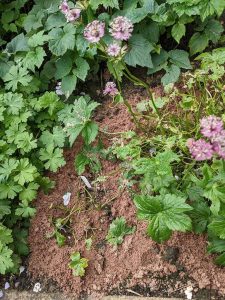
x,y
137,267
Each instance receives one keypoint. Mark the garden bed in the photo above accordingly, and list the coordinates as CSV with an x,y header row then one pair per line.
x,y
139,265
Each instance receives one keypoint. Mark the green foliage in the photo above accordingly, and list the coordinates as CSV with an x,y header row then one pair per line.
x,y
78,264
117,230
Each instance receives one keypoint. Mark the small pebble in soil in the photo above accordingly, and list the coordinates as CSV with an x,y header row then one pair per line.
x,y
22,269
66,198
188,292
7,286
37,287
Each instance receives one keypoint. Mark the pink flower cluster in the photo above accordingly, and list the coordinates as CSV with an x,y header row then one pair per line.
x,y
211,128
70,14
113,49
121,29
110,89
94,31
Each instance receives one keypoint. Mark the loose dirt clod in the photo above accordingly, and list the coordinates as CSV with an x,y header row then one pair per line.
x,y
139,264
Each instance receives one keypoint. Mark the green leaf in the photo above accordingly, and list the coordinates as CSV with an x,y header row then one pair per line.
x,y
90,132
33,21
5,235
198,42
34,58
178,31
158,230
216,246
25,211
51,102
17,75
53,158
180,58
5,259
56,138
172,75
25,141
29,193
62,39
60,239
69,84
63,66
106,3
26,172
14,103
213,30
200,216
17,44
166,212
7,168
81,161
82,68
4,208
220,260
217,226
20,241
219,6
9,190
139,53
78,264
117,230
38,39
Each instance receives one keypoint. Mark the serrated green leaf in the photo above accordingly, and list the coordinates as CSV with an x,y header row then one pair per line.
x,y
62,39
25,211
172,74
14,103
9,190
198,42
4,208
5,259
69,84
5,235
90,132
17,44
217,226
60,239
82,68
7,167
117,230
178,31
17,75
38,39
180,58
29,193
34,58
78,264
25,141
26,172
81,161
56,138
106,3
53,158
63,66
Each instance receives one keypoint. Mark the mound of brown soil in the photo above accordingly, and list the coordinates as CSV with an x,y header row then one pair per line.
x,y
137,266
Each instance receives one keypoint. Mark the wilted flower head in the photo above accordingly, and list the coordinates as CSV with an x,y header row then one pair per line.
x,y
94,31
200,149
64,7
110,89
121,28
211,126
58,89
113,49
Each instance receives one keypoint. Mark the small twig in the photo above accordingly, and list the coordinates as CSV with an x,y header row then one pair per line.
x,y
133,292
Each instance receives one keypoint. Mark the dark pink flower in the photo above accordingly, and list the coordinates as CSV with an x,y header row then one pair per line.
x,y
211,126
94,31
64,7
200,149
73,15
121,28
110,89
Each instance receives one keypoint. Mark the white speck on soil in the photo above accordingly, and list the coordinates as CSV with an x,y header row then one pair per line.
x,y
37,287
66,198
7,286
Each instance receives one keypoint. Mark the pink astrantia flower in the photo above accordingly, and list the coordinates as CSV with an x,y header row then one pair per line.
x,y
113,49
73,15
64,7
211,126
94,31
121,28
110,89
200,149
218,144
